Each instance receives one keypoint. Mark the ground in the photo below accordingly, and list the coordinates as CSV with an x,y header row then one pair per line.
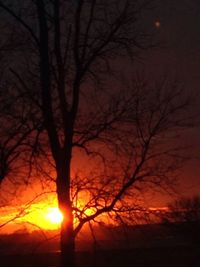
x,y
139,257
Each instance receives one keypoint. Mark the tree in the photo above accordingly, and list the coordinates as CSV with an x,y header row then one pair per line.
x,y
183,218
80,109
185,209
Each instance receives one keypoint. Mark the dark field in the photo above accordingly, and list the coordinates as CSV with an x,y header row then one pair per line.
x,y
139,257
143,246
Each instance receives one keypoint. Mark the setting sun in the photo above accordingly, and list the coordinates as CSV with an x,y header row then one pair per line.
x,y
54,216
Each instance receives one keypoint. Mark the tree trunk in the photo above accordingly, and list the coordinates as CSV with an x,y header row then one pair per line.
x,y
67,242
67,238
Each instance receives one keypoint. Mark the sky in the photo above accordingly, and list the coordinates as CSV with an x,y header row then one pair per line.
x,y
179,57
176,23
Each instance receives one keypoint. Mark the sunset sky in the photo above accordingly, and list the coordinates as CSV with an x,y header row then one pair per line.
x,y
179,31
177,26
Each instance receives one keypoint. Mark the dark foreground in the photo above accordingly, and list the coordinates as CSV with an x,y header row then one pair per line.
x,y
139,257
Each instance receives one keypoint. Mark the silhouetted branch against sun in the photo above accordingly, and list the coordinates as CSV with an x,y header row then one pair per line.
x,y
144,153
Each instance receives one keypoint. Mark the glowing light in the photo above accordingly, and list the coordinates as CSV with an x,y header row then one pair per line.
x,y
157,24
54,216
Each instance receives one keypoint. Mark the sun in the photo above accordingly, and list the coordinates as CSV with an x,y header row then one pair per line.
x,y
54,216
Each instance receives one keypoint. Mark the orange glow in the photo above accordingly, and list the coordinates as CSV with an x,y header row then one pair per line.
x,y
44,214
54,216
37,216
157,24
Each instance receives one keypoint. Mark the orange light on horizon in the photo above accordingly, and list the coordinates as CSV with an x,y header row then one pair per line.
x,y
38,216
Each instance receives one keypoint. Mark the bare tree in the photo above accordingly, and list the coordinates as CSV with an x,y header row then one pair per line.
x,y
185,209
183,219
120,130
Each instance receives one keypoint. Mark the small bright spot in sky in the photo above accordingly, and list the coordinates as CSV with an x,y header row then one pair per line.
x,y
157,24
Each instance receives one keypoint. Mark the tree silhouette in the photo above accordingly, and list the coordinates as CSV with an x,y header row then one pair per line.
x,y
183,218
79,108
185,209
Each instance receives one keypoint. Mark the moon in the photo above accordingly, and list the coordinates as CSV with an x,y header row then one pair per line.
x,y
157,24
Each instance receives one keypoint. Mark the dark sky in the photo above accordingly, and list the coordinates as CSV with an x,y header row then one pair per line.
x,y
179,32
